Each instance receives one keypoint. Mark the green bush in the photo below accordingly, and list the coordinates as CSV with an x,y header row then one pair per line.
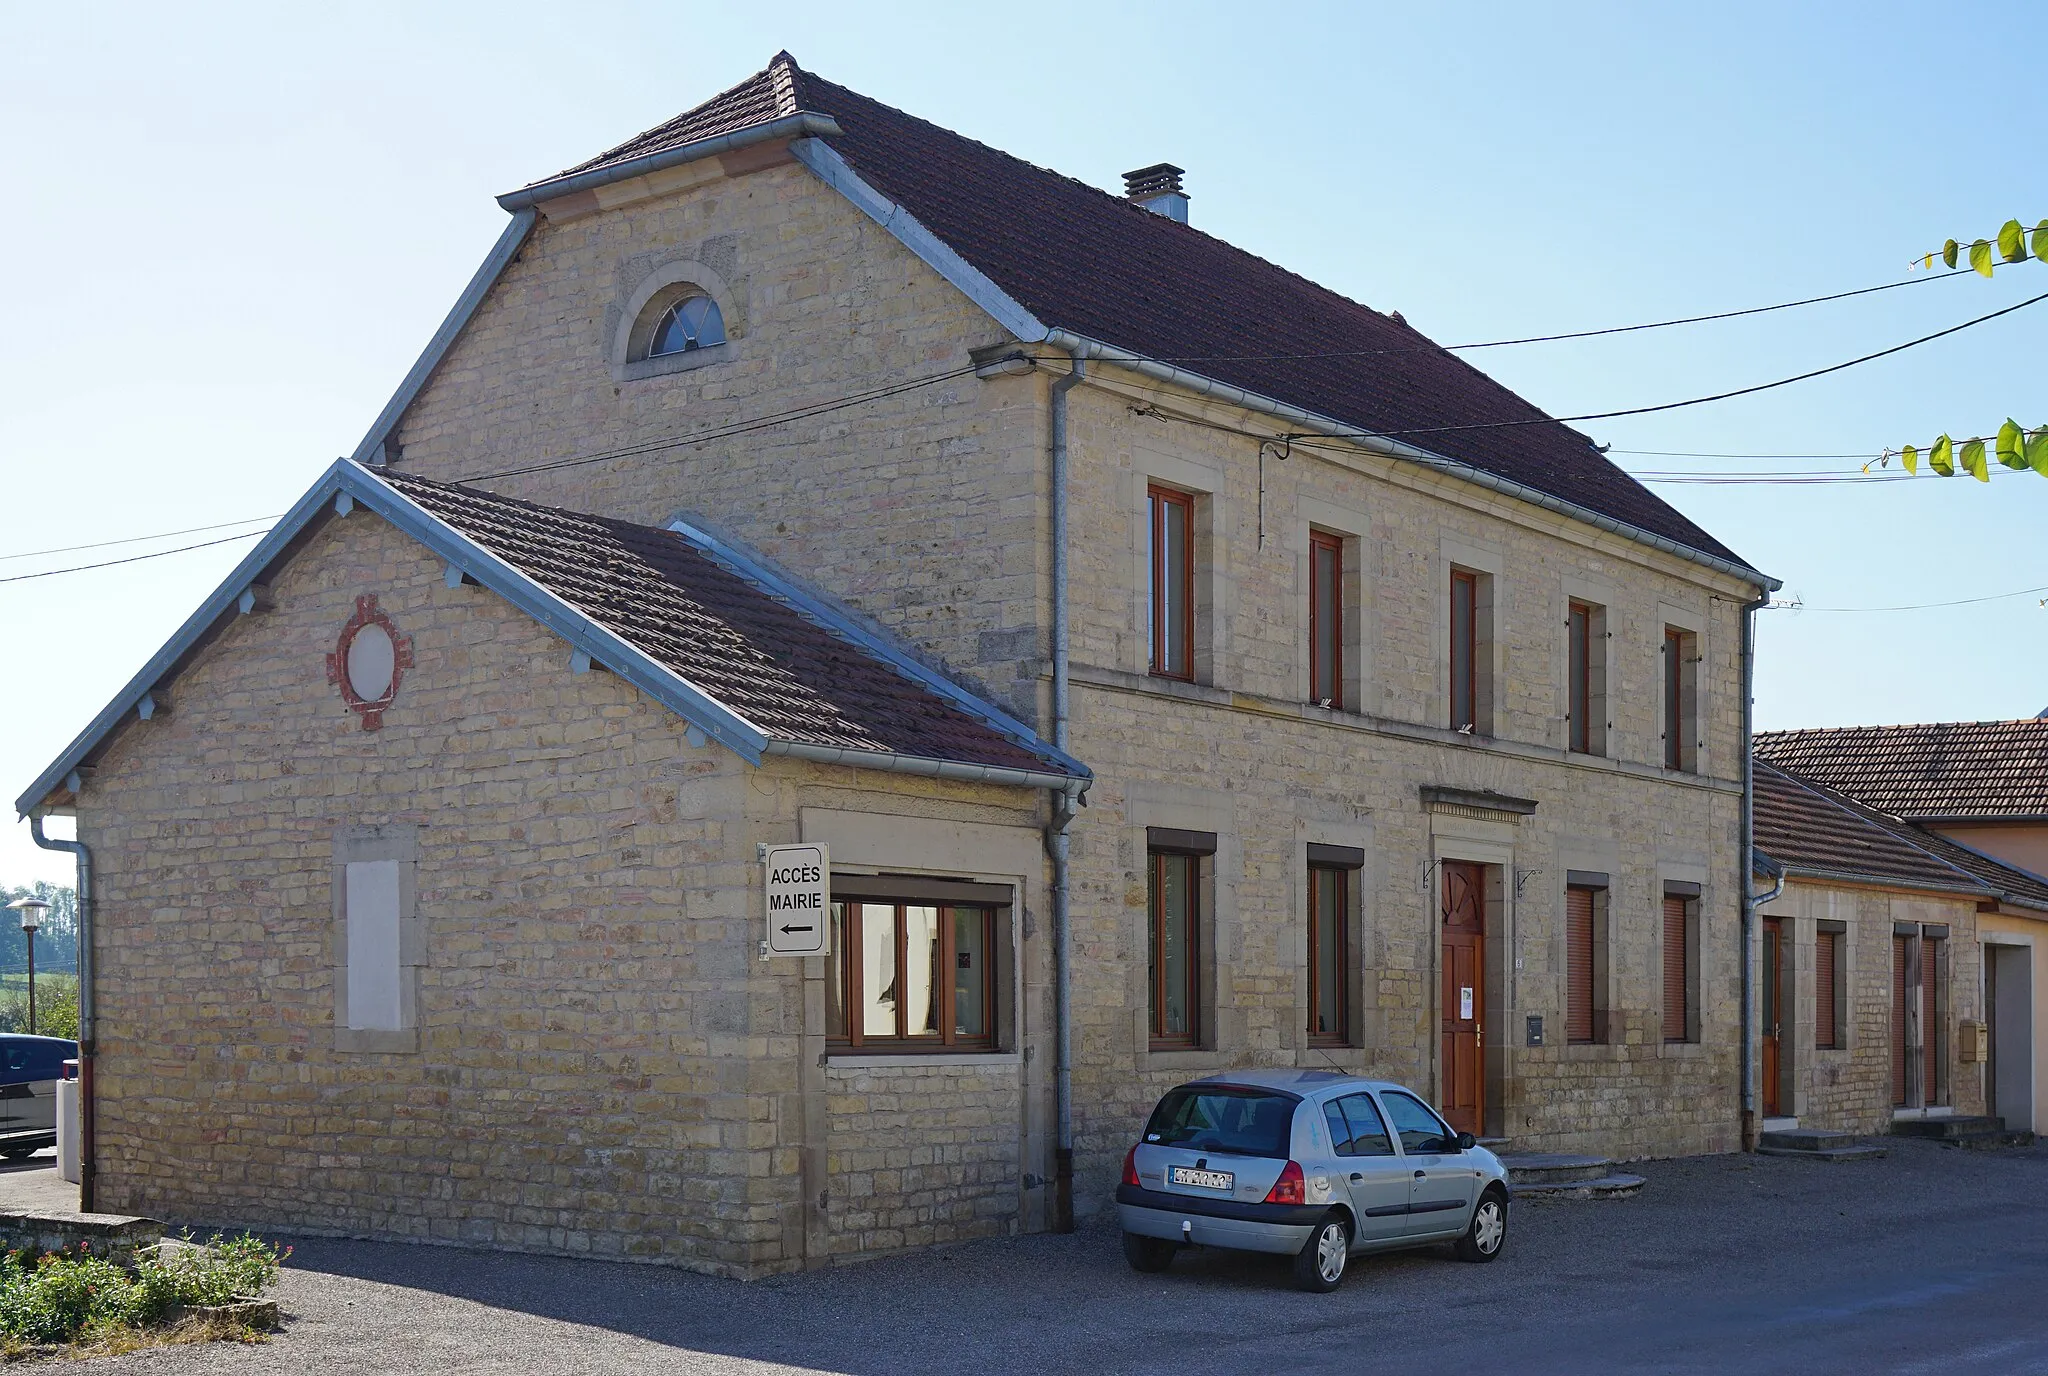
x,y
52,1299
56,1007
221,1270
56,1297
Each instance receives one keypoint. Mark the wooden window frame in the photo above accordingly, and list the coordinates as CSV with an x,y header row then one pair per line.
x,y
1326,623
1464,655
1829,954
1163,503
1320,874
1681,699
1688,906
1156,858
1578,621
850,1036
1592,1030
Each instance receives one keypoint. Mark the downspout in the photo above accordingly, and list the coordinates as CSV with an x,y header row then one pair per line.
x,y
85,1004
1063,816
1751,900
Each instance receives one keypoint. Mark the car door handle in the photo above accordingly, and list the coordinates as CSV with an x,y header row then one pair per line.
x,y
1420,1174
1355,1176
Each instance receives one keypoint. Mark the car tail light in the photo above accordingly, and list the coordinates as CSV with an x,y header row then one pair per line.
x,y
1131,1166
1288,1189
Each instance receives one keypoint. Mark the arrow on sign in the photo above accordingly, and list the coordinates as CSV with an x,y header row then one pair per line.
x,y
787,930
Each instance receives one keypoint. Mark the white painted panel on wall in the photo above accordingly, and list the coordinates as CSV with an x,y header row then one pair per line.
x,y
372,897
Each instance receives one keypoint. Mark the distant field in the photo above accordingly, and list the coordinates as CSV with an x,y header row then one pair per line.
x,y
17,982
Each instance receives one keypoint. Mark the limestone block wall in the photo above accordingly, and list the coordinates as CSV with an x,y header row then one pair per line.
x,y
925,1153
584,1078
923,511
1849,1088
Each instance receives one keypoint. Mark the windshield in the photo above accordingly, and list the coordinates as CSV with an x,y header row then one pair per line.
x,y
1237,1122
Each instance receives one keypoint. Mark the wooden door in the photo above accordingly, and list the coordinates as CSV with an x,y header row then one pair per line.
x,y
1464,995
1902,1021
1774,1011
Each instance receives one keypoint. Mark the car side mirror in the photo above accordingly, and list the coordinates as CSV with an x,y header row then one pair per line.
x,y
1466,1141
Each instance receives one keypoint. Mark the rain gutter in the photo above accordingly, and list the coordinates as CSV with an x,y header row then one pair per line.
x,y
86,1038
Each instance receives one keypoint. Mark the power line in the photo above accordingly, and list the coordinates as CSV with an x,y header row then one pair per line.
x,y
1579,334
132,559
1721,396
1703,454
135,539
1913,606
729,431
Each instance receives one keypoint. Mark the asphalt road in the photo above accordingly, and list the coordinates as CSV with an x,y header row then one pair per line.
x,y
1934,1259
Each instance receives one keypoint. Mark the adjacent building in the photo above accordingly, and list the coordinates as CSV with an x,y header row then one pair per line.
x,y
1184,667
1975,796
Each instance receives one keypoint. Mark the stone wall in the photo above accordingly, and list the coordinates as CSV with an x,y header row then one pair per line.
x,y
922,511
1849,1088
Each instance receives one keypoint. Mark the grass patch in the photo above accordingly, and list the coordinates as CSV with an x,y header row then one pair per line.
x,y
75,1303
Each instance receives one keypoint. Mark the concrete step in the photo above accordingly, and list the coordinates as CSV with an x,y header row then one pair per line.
x,y
1818,1144
1552,1168
1615,1186
1960,1130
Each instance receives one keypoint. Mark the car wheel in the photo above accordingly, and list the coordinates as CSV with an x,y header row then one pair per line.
x,y
1319,1265
1489,1230
1148,1254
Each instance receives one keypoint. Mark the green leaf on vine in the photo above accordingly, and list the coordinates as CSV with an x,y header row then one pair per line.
x,y
1941,458
2037,451
1948,252
1910,457
2012,444
2041,241
2012,241
1973,461
1980,256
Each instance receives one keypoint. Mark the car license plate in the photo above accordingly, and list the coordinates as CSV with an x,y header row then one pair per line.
x,y
1207,1180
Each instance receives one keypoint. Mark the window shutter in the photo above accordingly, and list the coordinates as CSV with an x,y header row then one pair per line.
x,y
1578,939
1676,1005
1824,988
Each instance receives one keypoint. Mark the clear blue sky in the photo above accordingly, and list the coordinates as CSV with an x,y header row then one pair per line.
x,y
231,229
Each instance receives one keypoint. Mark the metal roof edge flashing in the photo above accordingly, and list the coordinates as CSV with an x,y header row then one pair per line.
x,y
1396,449
510,240
926,766
934,252
802,124
1828,873
840,624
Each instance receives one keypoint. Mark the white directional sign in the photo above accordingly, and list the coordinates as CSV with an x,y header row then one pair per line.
x,y
799,891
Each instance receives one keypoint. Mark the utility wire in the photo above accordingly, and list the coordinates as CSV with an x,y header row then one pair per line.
x,y
1719,396
729,431
132,559
1580,334
1307,441
1914,606
136,539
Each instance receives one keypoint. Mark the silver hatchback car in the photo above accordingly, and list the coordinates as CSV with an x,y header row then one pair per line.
x,y
1306,1163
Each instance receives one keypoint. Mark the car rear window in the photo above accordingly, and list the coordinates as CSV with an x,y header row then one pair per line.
x,y
1235,1121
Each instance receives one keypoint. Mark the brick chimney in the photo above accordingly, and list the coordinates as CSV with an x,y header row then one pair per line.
x,y
1157,189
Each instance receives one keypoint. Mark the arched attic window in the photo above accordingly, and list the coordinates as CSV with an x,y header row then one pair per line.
x,y
683,315
693,322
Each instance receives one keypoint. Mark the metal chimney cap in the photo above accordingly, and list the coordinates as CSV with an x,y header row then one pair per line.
x,y
1161,178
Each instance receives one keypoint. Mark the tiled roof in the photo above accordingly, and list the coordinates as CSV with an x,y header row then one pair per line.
x,y
753,653
1804,828
1081,259
1952,770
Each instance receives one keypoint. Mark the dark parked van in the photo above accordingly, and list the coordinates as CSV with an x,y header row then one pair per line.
x,y
29,1070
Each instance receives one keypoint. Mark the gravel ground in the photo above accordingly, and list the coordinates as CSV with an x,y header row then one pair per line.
x,y
1934,1258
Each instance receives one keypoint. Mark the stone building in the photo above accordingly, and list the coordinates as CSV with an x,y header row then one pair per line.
x,y
1975,794
1215,667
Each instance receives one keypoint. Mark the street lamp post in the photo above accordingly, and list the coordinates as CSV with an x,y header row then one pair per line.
x,y
31,912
